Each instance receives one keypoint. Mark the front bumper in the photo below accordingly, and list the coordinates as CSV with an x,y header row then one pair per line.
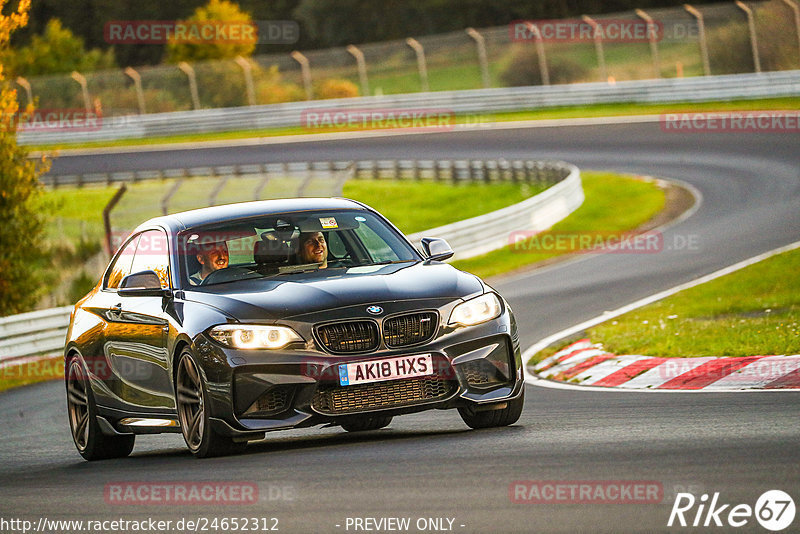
x,y
257,391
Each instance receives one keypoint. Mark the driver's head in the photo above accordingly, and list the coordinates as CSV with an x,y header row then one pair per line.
x,y
212,257
313,248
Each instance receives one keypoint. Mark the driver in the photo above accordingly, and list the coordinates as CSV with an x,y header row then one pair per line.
x,y
212,257
313,248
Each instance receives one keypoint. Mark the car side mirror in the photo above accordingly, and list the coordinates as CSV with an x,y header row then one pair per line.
x,y
436,248
142,284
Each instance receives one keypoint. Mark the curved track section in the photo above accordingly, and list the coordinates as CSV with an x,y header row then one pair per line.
x,y
430,465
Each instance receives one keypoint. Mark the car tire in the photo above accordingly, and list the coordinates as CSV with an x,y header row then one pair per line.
x,y
89,439
192,403
494,418
367,422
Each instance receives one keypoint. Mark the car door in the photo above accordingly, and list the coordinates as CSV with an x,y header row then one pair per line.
x,y
136,335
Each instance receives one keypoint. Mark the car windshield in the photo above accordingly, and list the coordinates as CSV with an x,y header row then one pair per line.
x,y
289,243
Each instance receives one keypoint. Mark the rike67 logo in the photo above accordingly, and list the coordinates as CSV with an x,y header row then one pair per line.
x,y
774,510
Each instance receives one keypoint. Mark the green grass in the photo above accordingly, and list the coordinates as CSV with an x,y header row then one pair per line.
x,y
31,373
755,311
415,206
600,110
614,204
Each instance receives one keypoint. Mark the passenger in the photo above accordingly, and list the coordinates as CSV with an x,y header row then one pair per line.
x,y
212,257
313,249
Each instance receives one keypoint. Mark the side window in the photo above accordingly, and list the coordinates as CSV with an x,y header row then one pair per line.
x,y
122,265
152,254
378,248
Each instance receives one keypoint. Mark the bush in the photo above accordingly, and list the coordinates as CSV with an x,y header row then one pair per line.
x,y
523,69
215,10
271,89
57,50
335,88
21,208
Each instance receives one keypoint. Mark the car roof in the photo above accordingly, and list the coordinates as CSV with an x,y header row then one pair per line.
x,y
217,214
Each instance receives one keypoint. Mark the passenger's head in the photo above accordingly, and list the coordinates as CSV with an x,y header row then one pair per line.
x,y
313,248
212,257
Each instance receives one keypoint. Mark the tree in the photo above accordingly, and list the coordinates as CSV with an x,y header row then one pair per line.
x,y
22,228
58,50
218,11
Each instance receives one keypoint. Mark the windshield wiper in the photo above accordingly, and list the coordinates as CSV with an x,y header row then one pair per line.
x,y
389,262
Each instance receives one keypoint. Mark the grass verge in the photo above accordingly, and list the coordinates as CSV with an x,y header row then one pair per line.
x,y
31,372
614,205
599,110
754,311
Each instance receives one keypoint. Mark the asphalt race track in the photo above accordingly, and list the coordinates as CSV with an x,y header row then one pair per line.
x,y
431,465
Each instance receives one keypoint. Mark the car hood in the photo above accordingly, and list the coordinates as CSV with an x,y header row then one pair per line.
x,y
303,293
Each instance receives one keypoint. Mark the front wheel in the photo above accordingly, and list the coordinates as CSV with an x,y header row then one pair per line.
x,y
90,441
192,404
494,418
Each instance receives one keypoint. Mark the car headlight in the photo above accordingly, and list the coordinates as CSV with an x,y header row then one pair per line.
x,y
240,336
477,310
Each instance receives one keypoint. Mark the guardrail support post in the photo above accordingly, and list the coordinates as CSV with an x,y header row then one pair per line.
x,y
598,46
543,70
796,10
422,65
248,79
22,82
751,24
305,68
362,68
107,216
81,79
652,33
137,83
189,71
701,28
480,43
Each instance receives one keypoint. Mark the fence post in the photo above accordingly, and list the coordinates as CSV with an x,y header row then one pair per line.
x,y
189,71
107,216
751,24
480,43
421,63
701,28
362,68
537,35
22,82
652,32
305,68
598,46
796,10
248,79
137,83
81,79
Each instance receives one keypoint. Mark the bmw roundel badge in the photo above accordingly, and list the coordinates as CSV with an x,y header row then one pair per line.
x,y
375,310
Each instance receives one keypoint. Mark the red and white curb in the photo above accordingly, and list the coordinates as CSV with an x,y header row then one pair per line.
x,y
588,364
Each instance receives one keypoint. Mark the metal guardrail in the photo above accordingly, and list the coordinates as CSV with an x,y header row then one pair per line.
x,y
43,332
33,333
492,231
478,101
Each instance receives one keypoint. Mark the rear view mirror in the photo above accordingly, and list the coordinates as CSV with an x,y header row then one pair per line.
x,y
436,248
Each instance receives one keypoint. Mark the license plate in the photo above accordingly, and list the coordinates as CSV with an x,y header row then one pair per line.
x,y
388,369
